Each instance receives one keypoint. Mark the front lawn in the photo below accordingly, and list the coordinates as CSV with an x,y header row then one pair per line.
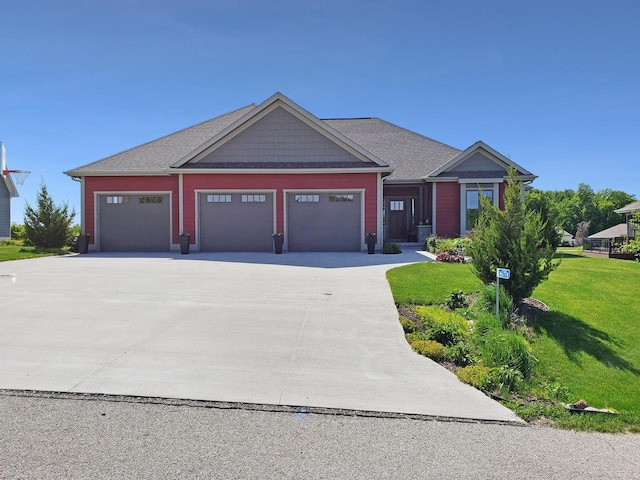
x,y
587,345
19,252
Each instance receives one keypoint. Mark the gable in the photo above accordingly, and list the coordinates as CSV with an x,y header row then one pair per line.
x,y
478,162
279,137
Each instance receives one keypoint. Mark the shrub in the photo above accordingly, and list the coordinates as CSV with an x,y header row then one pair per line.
x,y
460,354
450,258
505,378
507,348
430,348
11,242
443,326
17,232
511,238
411,337
485,323
430,244
456,300
388,247
477,376
487,302
46,226
408,325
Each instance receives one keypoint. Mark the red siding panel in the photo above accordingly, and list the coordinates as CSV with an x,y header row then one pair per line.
x,y
279,183
448,209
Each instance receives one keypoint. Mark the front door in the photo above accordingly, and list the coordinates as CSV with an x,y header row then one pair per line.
x,y
397,219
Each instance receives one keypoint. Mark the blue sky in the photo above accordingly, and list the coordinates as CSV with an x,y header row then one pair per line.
x,y
554,85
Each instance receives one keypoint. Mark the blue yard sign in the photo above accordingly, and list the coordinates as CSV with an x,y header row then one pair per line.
x,y
505,274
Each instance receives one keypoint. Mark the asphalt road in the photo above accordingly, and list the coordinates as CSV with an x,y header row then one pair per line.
x,y
50,438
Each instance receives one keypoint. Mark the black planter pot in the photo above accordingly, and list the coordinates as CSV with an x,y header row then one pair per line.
x,y
277,244
185,239
371,245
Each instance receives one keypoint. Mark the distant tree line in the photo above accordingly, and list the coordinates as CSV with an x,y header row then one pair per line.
x,y
566,209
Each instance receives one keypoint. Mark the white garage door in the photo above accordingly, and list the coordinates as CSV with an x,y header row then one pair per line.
x,y
135,223
324,222
236,222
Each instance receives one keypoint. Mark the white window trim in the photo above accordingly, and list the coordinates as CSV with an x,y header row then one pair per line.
x,y
463,200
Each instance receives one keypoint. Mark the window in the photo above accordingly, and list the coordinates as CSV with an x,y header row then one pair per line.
x,y
254,198
341,198
473,203
115,199
396,205
307,198
218,198
148,199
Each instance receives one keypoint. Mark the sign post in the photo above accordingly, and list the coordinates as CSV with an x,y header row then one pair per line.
x,y
505,274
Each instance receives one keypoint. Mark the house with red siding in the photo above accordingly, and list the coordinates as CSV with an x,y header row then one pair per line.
x,y
235,180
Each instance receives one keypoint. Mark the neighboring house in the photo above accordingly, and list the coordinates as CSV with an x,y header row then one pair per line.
x,y
604,239
628,210
232,181
566,238
8,190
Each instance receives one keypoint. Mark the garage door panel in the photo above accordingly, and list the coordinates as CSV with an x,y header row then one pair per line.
x,y
135,223
229,224
324,222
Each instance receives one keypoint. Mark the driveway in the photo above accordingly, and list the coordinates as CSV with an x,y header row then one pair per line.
x,y
299,329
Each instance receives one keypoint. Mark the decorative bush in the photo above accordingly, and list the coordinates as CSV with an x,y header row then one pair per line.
x,y
484,323
408,325
413,336
430,244
388,247
460,354
450,258
456,300
506,348
487,302
443,326
505,378
477,376
430,348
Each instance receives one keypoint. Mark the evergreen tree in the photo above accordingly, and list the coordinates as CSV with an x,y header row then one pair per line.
x,y
46,226
512,238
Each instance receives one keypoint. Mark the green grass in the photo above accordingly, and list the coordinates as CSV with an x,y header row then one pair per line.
x,y
589,341
428,283
19,252
590,338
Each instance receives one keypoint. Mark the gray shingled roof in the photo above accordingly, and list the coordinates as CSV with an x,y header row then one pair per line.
x,y
412,156
159,154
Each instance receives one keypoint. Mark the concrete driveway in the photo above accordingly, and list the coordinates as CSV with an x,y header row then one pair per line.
x,y
299,329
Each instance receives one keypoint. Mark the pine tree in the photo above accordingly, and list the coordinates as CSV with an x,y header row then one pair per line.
x,y
511,238
46,226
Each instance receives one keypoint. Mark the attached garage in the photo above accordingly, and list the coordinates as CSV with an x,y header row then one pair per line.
x,y
324,221
236,221
134,222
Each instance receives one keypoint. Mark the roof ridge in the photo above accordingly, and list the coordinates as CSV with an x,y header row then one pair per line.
x,y
169,135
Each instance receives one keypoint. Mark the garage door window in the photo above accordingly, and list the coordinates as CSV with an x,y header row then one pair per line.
x,y
341,198
254,198
219,198
115,200
307,198
148,199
